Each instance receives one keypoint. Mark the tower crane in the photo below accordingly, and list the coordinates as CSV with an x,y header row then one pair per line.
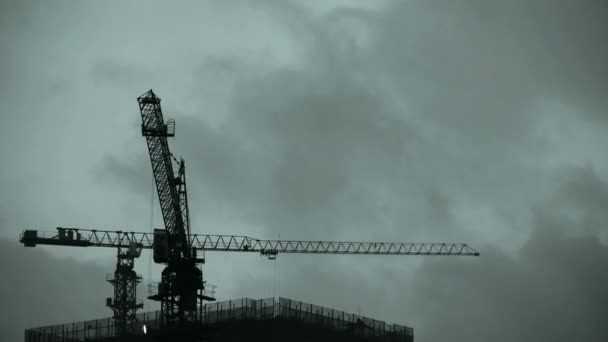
x,y
130,244
181,289
78,237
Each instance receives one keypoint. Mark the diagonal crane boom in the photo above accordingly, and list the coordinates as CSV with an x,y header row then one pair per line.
x,y
181,280
171,190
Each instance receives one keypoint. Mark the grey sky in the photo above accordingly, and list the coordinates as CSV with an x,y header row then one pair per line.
x,y
477,121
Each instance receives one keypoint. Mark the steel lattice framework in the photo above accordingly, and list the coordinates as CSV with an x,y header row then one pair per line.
x,y
130,244
236,243
124,282
181,281
171,190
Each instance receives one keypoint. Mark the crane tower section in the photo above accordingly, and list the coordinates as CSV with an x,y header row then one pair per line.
x,y
171,188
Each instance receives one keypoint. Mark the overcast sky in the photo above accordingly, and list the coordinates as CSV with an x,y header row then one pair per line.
x,y
454,121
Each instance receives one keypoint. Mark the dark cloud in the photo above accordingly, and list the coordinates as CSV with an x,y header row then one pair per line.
x,y
475,64
134,175
470,78
40,289
360,133
115,72
551,289
315,151
299,157
582,200
439,100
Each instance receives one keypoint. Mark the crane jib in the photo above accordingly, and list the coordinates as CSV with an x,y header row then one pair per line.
x,y
236,243
171,190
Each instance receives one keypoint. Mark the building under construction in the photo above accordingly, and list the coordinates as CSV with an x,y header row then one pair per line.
x,y
188,311
237,320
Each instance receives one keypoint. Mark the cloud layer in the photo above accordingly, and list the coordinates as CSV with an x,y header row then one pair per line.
x,y
469,121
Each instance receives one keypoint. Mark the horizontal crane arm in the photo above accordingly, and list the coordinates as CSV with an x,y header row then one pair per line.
x,y
235,243
230,243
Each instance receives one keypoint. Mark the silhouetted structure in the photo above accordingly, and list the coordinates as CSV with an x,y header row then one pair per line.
x,y
181,290
125,280
129,246
237,320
